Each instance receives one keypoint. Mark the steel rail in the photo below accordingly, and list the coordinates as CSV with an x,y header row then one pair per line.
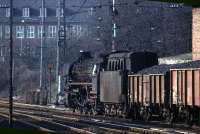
x,y
70,120
138,127
27,123
112,127
48,120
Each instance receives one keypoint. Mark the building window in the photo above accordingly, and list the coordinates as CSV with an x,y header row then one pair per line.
x,y
7,32
19,31
91,11
59,13
52,31
73,30
7,12
40,30
1,32
79,30
26,12
30,32
45,12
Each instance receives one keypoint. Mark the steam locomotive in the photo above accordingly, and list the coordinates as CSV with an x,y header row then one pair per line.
x,y
93,82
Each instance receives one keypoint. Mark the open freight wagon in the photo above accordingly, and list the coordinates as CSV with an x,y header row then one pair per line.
x,y
170,91
149,95
185,93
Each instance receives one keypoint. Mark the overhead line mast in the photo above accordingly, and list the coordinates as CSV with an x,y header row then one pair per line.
x,y
42,45
114,28
61,43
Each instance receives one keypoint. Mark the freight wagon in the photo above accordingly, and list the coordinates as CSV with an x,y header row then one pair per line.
x,y
171,92
149,92
185,93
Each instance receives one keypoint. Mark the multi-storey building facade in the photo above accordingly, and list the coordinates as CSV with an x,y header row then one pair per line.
x,y
164,28
27,29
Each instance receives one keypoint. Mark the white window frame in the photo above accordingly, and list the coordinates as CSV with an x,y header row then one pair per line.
x,y
20,32
73,30
7,31
30,32
52,31
91,11
58,12
39,31
26,12
79,30
1,31
45,12
7,12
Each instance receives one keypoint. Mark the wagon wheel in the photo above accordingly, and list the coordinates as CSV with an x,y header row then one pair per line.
x,y
189,117
93,112
81,110
135,114
107,110
172,118
168,116
147,115
141,113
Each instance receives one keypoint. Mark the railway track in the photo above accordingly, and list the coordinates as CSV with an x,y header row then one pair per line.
x,y
85,123
55,123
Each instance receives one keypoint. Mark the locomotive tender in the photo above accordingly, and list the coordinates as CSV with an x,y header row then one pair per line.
x,y
113,78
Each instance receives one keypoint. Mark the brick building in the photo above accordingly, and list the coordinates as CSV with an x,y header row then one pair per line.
x,y
195,34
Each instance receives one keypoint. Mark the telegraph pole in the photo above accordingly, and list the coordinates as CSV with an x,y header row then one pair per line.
x,y
11,67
